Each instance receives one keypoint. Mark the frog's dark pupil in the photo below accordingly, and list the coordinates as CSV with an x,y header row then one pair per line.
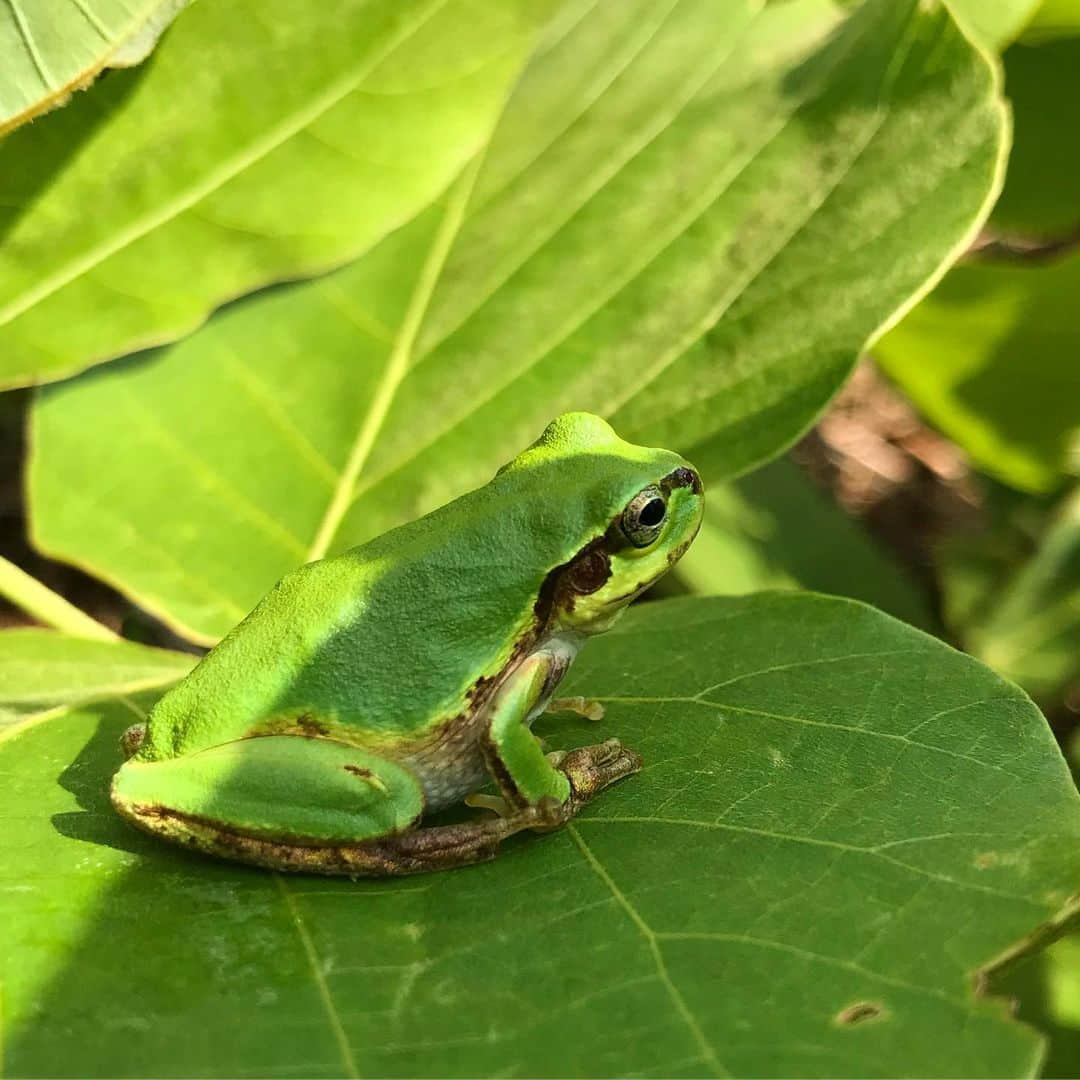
x,y
652,513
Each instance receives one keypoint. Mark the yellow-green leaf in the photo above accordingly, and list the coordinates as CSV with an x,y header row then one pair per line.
x,y
690,218
265,140
50,49
42,670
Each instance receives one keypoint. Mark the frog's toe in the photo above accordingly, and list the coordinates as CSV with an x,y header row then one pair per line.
x,y
592,768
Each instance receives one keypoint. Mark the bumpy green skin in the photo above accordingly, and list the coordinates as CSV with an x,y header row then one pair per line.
x,y
370,687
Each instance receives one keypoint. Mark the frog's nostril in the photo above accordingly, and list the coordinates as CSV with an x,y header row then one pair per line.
x,y
684,477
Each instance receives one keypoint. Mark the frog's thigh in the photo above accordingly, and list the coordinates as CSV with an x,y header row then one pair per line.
x,y
273,787
511,751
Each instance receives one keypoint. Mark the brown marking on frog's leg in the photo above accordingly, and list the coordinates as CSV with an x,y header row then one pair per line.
x,y
439,847
367,776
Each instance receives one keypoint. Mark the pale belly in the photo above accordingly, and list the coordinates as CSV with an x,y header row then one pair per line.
x,y
451,766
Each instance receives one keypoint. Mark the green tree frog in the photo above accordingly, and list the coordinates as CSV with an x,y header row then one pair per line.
x,y
391,681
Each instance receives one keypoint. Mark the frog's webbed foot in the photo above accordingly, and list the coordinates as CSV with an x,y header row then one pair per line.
x,y
590,769
583,706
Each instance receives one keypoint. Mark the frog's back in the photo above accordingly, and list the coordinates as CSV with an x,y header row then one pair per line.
x,y
389,638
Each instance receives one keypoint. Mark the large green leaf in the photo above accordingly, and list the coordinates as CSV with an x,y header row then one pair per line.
x,y
692,233
41,670
990,358
51,49
772,529
266,140
840,821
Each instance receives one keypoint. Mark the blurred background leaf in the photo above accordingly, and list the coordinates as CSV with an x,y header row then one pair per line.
x,y
1053,18
1047,991
991,359
695,241
1041,196
1013,595
773,529
993,23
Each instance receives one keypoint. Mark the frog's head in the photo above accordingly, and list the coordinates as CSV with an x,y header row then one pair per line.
x,y
639,509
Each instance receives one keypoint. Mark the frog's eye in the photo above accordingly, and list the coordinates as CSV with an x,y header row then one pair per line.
x,y
644,516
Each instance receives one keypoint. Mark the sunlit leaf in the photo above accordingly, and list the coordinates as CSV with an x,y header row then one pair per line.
x,y
52,49
265,140
41,670
690,219
994,23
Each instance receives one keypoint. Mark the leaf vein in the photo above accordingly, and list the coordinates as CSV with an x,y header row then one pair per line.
x,y
652,940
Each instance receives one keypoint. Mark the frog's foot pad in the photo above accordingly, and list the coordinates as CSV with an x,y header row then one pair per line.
x,y
590,769
591,710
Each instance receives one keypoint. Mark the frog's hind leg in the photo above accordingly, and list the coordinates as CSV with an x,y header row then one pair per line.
x,y
294,803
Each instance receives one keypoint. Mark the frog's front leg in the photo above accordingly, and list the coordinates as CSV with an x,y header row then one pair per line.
x,y
557,785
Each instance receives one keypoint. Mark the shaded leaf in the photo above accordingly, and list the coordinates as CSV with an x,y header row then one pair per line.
x,y
990,359
690,219
266,140
41,670
1041,196
1047,991
772,529
840,820
1028,626
51,49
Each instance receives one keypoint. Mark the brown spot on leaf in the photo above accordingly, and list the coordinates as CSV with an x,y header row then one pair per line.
x,y
859,1013
986,860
